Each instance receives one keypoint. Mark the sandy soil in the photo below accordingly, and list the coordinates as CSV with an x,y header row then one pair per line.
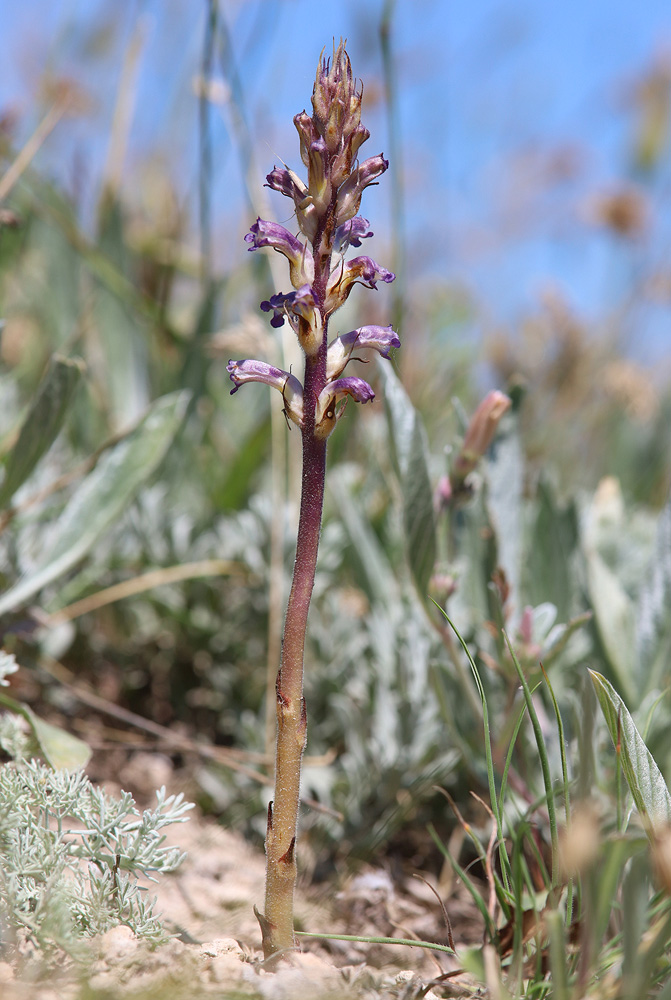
x,y
207,905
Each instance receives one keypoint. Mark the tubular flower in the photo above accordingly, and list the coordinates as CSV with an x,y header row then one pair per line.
x,y
299,308
326,414
258,371
349,193
270,234
379,338
351,233
343,278
289,184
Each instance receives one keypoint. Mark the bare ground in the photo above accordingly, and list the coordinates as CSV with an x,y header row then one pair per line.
x,y
207,905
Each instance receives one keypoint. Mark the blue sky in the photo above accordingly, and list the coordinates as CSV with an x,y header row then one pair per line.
x,y
493,98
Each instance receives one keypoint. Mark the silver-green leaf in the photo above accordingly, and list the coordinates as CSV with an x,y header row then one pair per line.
x,y
42,424
644,778
104,495
410,450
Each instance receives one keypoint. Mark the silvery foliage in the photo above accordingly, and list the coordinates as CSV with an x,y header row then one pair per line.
x,y
71,855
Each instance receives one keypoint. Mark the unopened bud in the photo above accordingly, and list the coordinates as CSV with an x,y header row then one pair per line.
x,y
480,433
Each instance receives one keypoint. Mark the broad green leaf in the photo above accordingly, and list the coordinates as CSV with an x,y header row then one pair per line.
x,y
653,618
59,748
123,336
644,778
410,450
549,573
614,616
41,425
104,495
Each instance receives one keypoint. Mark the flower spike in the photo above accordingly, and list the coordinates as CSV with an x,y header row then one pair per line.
x,y
326,213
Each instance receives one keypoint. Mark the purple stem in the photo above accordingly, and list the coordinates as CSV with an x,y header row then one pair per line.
x,y
277,921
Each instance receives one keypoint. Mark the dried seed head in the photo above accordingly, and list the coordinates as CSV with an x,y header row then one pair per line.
x,y
336,102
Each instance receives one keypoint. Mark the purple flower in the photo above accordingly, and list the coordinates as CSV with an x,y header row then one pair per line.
x,y
289,184
344,276
379,338
355,387
349,193
326,414
258,371
300,309
351,233
271,234
286,305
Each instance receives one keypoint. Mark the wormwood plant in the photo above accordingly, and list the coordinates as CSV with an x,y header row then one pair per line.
x,y
326,214
71,855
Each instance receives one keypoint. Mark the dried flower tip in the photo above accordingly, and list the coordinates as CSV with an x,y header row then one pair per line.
x,y
580,843
336,102
442,495
661,857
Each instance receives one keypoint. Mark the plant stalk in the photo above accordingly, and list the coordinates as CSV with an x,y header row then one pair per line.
x,y
277,923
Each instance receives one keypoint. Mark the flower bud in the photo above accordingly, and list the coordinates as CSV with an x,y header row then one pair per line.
x,y
480,433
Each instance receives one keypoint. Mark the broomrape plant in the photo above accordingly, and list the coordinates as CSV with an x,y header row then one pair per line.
x,y
326,214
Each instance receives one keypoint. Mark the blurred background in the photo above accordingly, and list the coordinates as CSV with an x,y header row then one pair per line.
x,y
525,213
530,144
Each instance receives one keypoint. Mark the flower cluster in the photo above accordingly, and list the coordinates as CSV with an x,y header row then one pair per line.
x,y
322,278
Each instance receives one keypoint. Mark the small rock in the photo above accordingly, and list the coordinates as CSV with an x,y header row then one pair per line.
x,y
6,972
117,942
220,946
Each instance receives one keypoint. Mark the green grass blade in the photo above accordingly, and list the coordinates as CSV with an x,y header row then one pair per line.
x,y
545,764
559,962
509,755
505,862
468,882
410,942
565,781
